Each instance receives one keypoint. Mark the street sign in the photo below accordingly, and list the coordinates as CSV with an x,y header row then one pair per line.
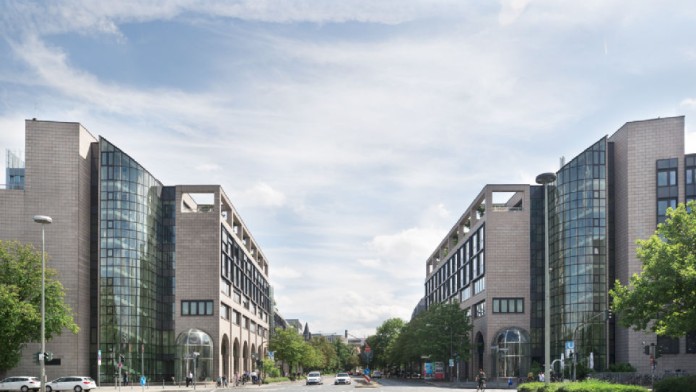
x,y
569,348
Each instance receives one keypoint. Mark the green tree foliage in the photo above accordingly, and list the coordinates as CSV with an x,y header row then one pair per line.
x,y
326,352
382,343
348,357
662,298
289,346
20,302
440,333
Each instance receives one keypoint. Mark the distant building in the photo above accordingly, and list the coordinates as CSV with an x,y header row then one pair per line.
x,y
165,276
603,200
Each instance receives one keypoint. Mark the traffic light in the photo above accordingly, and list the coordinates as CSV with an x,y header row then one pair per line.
x,y
646,349
48,356
121,358
608,315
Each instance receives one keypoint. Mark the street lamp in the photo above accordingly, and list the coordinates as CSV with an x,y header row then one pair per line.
x,y
545,179
43,220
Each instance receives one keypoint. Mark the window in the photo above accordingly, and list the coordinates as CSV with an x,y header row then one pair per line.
x,y
225,287
508,305
667,177
691,342
197,308
224,312
667,345
479,285
662,206
466,293
480,309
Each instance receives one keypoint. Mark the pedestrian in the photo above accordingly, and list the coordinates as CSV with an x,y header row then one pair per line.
x,y
541,377
189,379
481,378
125,379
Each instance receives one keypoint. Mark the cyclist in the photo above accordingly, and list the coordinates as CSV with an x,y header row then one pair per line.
x,y
481,378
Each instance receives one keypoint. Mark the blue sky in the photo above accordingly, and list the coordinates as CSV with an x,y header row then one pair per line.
x,y
350,135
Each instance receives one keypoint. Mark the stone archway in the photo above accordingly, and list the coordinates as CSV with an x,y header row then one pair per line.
x,y
225,356
480,350
236,355
245,357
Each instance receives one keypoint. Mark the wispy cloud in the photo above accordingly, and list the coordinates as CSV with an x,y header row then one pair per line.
x,y
349,135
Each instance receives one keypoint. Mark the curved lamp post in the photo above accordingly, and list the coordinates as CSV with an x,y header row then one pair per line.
x,y
43,220
545,179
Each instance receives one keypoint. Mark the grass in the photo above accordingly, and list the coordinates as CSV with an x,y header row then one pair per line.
x,y
584,386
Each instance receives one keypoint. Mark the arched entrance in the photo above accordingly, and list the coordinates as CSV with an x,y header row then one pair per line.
x,y
480,349
194,355
245,357
511,353
225,356
235,357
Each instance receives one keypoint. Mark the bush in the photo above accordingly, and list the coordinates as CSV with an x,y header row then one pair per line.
x,y
622,368
584,386
676,384
270,380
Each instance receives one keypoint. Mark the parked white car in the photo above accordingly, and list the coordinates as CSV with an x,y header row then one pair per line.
x,y
71,383
20,383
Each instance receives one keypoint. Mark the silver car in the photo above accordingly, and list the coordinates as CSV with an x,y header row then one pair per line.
x,y
20,383
71,383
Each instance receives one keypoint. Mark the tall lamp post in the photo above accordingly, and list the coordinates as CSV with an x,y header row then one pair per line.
x,y
545,179
43,220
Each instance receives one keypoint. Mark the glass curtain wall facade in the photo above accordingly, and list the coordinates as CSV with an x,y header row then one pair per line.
x,y
135,270
579,256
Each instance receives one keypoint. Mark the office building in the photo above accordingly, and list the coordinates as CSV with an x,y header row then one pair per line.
x,y
492,261
163,280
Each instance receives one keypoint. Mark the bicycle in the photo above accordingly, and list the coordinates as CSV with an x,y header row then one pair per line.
x,y
481,386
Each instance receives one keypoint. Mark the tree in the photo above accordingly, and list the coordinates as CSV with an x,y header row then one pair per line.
x,y
440,333
289,346
346,356
383,341
20,302
326,352
662,298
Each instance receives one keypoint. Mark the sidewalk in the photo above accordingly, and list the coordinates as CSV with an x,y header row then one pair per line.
x,y
172,388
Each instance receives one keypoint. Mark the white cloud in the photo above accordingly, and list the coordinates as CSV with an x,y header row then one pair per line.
x,y
349,135
261,194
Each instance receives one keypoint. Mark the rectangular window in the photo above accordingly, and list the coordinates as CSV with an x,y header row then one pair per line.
x,y
479,285
197,308
224,312
466,293
667,345
691,343
662,206
508,305
480,309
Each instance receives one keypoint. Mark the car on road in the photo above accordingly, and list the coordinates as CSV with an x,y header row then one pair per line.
x,y
314,378
20,383
377,374
71,383
342,378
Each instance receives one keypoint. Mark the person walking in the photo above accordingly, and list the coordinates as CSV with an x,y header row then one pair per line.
x,y
481,378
